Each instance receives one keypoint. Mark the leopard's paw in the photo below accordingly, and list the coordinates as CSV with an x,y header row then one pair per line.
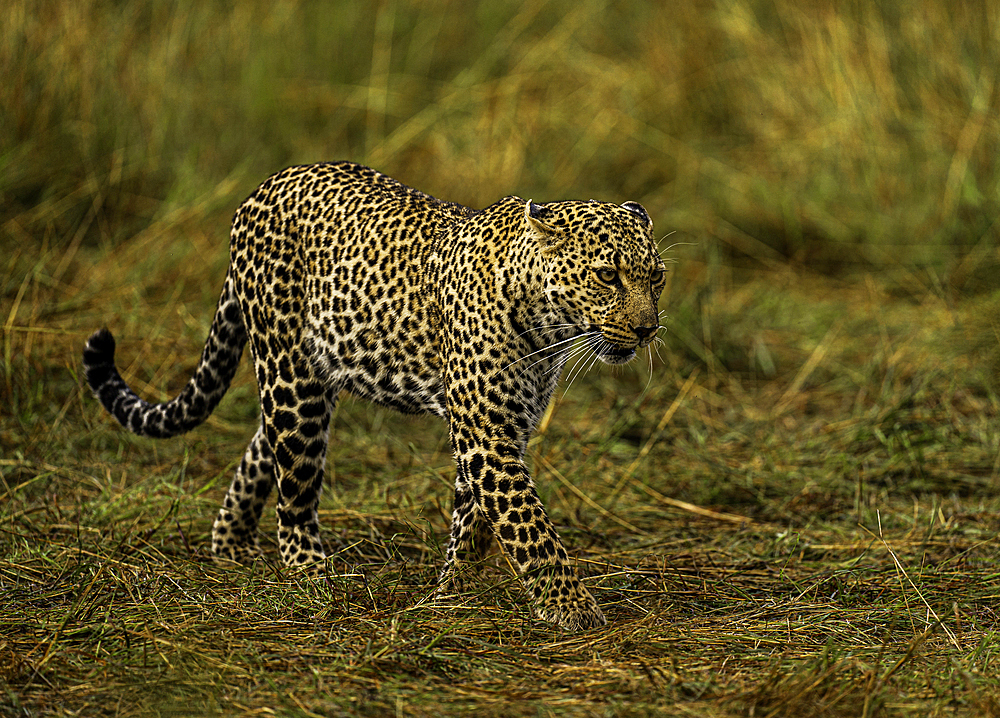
x,y
236,553
562,599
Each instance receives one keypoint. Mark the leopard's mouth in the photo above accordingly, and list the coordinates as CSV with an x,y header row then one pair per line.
x,y
616,355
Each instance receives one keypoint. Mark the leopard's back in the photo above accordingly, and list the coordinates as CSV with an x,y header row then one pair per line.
x,y
340,270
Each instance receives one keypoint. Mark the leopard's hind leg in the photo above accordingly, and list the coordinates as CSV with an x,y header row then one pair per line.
x,y
471,537
297,403
234,533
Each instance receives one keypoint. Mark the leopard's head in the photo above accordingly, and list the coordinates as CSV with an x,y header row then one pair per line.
x,y
603,274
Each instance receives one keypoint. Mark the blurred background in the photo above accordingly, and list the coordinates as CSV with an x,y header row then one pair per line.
x,y
826,134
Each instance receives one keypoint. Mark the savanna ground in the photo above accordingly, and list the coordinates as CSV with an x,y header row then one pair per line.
x,y
793,510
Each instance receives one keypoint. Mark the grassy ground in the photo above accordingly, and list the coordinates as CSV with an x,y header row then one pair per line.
x,y
795,512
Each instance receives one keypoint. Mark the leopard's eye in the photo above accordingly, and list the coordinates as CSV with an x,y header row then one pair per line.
x,y
656,276
608,276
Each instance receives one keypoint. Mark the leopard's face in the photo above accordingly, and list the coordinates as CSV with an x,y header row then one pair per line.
x,y
604,274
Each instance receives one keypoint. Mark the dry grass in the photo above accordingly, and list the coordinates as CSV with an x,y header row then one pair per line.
x,y
796,513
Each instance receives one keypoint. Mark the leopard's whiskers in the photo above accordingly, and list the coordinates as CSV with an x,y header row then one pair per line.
x,y
560,356
582,367
668,234
546,328
576,351
539,351
580,352
675,244
590,365
649,356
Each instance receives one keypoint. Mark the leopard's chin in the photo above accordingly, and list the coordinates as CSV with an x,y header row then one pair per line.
x,y
617,355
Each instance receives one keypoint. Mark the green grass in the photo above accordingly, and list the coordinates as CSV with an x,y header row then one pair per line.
x,y
795,513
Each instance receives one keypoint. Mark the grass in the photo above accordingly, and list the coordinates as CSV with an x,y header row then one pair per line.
x,y
796,512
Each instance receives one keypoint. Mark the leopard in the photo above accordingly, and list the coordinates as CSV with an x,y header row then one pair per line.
x,y
346,281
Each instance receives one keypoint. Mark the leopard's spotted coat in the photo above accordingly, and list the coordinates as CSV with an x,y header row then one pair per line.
x,y
346,280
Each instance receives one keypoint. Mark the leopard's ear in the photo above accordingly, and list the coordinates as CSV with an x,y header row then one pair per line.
x,y
638,210
548,236
535,214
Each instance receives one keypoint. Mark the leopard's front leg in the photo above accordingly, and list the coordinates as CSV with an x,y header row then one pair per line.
x,y
500,495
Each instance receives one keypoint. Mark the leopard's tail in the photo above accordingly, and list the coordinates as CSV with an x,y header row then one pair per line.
x,y
215,371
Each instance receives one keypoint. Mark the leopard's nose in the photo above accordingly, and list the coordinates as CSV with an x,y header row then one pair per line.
x,y
645,332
